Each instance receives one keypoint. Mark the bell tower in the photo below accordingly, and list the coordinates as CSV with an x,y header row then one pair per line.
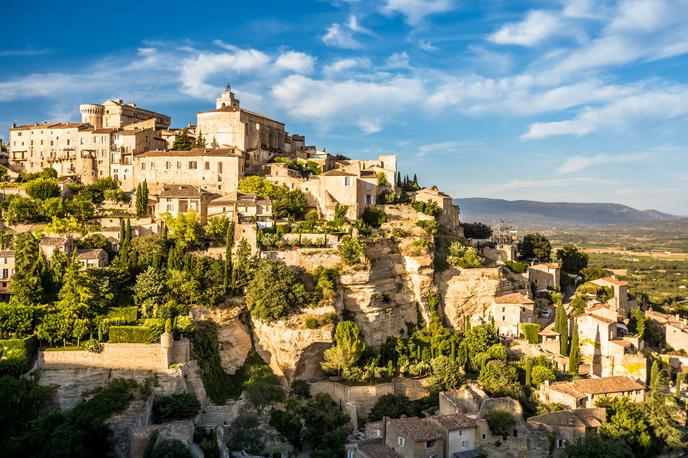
x,y
227,99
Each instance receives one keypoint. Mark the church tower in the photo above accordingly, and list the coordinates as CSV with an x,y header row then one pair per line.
x,y
227,99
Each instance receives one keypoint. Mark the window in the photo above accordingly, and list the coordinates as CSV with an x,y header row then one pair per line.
x,y
349,453
461,432
168,165
503,309
179,165
192,165
369,186
143,166
169,207
483,436
5,273
347,181
207,165
560,443
464,444
219,167
401,442
430,444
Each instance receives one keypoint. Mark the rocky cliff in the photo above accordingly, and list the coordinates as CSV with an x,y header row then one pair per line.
x,y
233,336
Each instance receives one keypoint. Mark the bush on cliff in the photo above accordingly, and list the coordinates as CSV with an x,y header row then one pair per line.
x,y
274,291
175,407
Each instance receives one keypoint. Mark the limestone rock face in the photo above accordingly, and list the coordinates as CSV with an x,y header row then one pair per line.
x,y
387,295
292,351
469,292
233,336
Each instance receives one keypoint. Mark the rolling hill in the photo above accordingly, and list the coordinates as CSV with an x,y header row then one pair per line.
x,y
555,214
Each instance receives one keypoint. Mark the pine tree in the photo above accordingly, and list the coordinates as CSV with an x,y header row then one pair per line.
x,y
214,144
574,354
182,142
200,141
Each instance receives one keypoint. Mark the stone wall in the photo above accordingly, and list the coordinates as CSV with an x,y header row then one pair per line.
x,y
306,258
364,397
118,356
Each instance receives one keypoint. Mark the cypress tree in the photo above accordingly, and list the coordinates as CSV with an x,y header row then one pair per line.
x,y
122,233
574,354
564,336
229,241
680,377
654,373
200,141
529,367
416,186
398,178
214,144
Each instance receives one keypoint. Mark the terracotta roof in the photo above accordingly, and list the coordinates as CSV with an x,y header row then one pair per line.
x,y
545,266
239,199
415,429
588,418
584,387
455,421
513,298
613,281
105,130
368,173
89,254
337,173
8,253
194,152
53,241
377,450
601,318
180,190
549,331
433,191
56,125
621,343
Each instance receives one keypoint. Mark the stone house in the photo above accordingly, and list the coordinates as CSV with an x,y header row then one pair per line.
x,y
246,208
449,215
544,276
116,113
281,175
385,164
509,311
7,266
210,170
414,437
372,449
170,135
675,329
48,245
459,432
337,187
584,392
92,258
620,301
564,427
178,199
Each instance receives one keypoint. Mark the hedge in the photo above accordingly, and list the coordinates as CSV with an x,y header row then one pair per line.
x,y
17,355
122,315
530,331
516,266
132,334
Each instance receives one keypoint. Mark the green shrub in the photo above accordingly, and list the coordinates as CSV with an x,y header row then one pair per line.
x,y
132,334
530,331
373,217
301,389
516,266
501,422
42,188
122,315
175,407
312,323
17,355
351,250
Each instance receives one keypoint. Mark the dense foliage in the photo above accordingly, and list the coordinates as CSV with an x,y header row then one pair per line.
x,y
535,246
175,407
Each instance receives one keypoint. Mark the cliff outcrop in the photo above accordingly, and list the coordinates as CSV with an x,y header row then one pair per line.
x,y
233,335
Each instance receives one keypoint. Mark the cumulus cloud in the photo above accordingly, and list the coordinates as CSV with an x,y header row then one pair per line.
x,y
445,147
340,36
344,65
536,27
398,59
415,11
295,61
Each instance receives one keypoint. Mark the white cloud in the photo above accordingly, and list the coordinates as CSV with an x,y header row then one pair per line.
x,y
427,46
340,37
444,147
197,69
398,60
535,28
520,184
665,103
343,65
585,9
367,104
26,52
578,163
356,26
415,11
296,62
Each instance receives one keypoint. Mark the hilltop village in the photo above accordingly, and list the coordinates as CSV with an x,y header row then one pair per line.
x,y
226,289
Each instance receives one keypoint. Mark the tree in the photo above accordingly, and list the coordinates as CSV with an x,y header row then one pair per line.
x,y
663,413
594,446
535,246
351,250
149,291
462,256
288,423
500,379
274,291
27,283
186,229
182,142
501,422
572,260
540,374
445,374
345,353
227,277
214,144
291,204
246,435
325,426
23,210
476,230
142,199
200,140
392,406
42,188
654,373
529,370
264,391
627,424
574,353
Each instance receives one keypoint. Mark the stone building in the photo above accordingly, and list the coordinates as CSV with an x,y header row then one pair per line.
x,y
449,215
116,113
281,175
509,311
562,427
7,266
329,190
584,392
385,164
178,199
414,437
48,245
92,258
234,127
544,276
210,170
244,208
458,431
620,300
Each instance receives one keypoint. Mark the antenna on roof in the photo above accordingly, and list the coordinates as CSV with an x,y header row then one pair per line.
x,y
228,88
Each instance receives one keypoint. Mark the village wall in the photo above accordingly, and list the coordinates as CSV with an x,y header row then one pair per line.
x,y
306,258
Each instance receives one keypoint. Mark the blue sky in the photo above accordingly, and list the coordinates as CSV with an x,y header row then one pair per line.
x,y
571,100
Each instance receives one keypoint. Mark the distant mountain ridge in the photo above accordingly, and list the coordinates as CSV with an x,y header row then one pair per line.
x,y
530,212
